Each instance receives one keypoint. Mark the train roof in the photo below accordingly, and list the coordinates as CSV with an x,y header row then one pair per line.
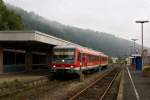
x,y
104,55
65,46
82,49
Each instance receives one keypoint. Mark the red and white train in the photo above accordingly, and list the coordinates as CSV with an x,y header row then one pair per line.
x,y
76,59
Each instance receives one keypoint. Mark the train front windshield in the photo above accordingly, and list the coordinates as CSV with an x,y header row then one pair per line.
x,y
64,56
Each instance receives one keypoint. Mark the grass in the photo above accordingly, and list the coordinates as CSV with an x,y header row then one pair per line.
x,y
146,69
17,90
16,83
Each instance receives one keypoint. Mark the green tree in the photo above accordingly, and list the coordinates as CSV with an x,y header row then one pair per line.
x,y
9,20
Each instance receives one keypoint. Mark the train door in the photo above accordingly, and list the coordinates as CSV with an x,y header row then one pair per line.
x,y
100,61
81,66
84,60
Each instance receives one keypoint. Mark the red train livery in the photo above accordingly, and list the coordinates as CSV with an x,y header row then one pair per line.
x,y
76,59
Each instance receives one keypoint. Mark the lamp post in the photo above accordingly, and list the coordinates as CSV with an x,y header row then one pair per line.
x,y
134,45
142,22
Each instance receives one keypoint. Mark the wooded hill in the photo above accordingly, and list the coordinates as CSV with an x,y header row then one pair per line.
x,y
104,42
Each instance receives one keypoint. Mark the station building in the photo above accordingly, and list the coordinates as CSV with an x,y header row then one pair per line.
x,y
22,51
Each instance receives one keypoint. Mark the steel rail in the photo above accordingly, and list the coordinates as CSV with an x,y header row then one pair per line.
x,y
92,84
106,91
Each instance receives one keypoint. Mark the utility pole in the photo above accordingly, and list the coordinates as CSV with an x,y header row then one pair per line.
x,y
134,45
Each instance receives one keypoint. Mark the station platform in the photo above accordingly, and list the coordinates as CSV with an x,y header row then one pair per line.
x,y
136,87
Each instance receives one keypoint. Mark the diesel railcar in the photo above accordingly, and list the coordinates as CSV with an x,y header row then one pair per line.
x,y
76,59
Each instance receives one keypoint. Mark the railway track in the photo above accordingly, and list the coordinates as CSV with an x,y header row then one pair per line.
x,y
97,89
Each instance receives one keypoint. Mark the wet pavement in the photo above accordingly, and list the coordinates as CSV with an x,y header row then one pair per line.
x,y
140,86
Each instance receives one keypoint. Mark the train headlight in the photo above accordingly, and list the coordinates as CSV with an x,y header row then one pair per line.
x,y
54,66
63,60
71,66
80,63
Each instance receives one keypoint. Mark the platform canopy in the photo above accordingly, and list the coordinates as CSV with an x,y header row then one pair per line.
x,y
32,39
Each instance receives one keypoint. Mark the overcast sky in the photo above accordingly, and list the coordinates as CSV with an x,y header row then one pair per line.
x,y
112,16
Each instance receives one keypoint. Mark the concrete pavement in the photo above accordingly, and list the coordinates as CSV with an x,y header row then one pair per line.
x,y
139,89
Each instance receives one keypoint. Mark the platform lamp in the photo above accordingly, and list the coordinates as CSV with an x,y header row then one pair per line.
x,y
142,22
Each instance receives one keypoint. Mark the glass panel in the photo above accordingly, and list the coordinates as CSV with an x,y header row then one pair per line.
x,y
20,58
64,55
9,58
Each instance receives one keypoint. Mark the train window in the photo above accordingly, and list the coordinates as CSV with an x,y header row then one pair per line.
x,y
91,58
103,59
97,58
67,55
63,55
